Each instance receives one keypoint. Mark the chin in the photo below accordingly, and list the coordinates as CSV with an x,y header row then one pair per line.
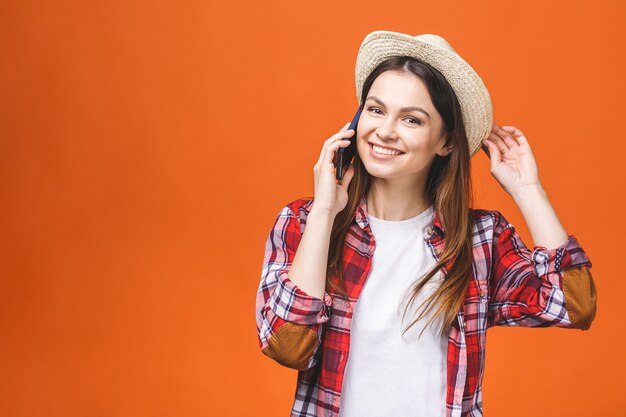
x,y
380,173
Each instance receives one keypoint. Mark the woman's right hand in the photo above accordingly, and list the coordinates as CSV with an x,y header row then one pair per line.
x,y
331,196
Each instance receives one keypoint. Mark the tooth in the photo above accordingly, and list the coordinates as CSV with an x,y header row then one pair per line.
x,y
385,151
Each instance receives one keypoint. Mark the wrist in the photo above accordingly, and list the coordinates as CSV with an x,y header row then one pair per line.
x,y
526,192
322,214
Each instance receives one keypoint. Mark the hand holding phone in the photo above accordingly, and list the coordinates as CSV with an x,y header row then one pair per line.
x,y
343,156
331,196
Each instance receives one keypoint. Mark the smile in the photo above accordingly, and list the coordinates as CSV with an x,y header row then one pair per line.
x,y
383,154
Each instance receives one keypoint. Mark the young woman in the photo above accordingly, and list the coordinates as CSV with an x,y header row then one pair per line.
x,y
346,272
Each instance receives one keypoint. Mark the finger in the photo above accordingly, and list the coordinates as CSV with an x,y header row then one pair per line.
x,y
501,138
340,135
332,148
519,136
494,153
337,136
506,137
498,142
345,126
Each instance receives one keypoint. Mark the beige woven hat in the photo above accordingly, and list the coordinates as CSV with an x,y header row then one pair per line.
x,y
433,49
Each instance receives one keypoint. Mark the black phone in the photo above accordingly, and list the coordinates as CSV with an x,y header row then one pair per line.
x,y
343,156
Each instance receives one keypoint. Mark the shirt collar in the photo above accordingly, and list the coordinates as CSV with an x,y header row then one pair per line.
x,y
360,216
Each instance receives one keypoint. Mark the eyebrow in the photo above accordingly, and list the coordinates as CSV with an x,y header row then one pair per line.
x,y
403,109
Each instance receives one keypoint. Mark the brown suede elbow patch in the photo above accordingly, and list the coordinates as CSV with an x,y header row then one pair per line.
x,y
292,345
580,296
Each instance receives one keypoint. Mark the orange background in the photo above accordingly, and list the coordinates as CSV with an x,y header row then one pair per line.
x,y
147,147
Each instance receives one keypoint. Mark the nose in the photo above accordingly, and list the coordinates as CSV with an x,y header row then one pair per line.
x,y
386,131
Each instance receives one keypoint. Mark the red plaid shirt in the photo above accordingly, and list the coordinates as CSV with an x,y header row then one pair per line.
x,y
511,286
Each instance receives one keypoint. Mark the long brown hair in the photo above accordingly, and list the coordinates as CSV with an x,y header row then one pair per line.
x,y
448,189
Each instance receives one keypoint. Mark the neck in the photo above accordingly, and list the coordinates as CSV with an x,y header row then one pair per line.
x,y
389,200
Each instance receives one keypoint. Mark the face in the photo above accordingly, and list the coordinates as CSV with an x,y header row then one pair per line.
x,y
399,116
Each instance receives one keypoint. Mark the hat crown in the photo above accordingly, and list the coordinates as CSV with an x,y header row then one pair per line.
x,y
436,40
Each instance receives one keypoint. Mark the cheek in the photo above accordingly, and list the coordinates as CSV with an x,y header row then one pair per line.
x,y
421,143
365,126
362,147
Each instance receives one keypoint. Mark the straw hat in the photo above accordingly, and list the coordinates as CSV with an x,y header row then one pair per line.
x,y
433,49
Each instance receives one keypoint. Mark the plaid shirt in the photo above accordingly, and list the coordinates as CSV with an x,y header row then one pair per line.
x,y
510,286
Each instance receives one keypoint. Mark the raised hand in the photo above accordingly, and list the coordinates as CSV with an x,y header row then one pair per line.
x,y
512,161
332,196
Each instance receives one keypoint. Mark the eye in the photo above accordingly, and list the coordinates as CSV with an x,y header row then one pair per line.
x,y
372,109
416,121
413,119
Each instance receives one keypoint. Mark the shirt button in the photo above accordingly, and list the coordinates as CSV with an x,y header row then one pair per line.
x,y
428,232
482,294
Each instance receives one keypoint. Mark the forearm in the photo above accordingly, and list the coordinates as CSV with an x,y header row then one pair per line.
x,y
542,221
308,270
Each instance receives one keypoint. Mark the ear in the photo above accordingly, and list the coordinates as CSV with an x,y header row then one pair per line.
x,y
445,150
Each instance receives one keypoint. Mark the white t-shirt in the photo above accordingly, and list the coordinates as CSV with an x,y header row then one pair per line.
x,y
388,374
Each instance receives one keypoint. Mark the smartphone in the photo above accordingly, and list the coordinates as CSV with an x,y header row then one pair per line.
x,y
343,156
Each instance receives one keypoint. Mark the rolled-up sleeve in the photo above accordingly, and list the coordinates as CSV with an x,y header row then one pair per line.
x,y
289,321
539,288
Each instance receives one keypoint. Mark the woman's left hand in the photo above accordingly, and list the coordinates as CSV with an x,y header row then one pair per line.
x,y
512,161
